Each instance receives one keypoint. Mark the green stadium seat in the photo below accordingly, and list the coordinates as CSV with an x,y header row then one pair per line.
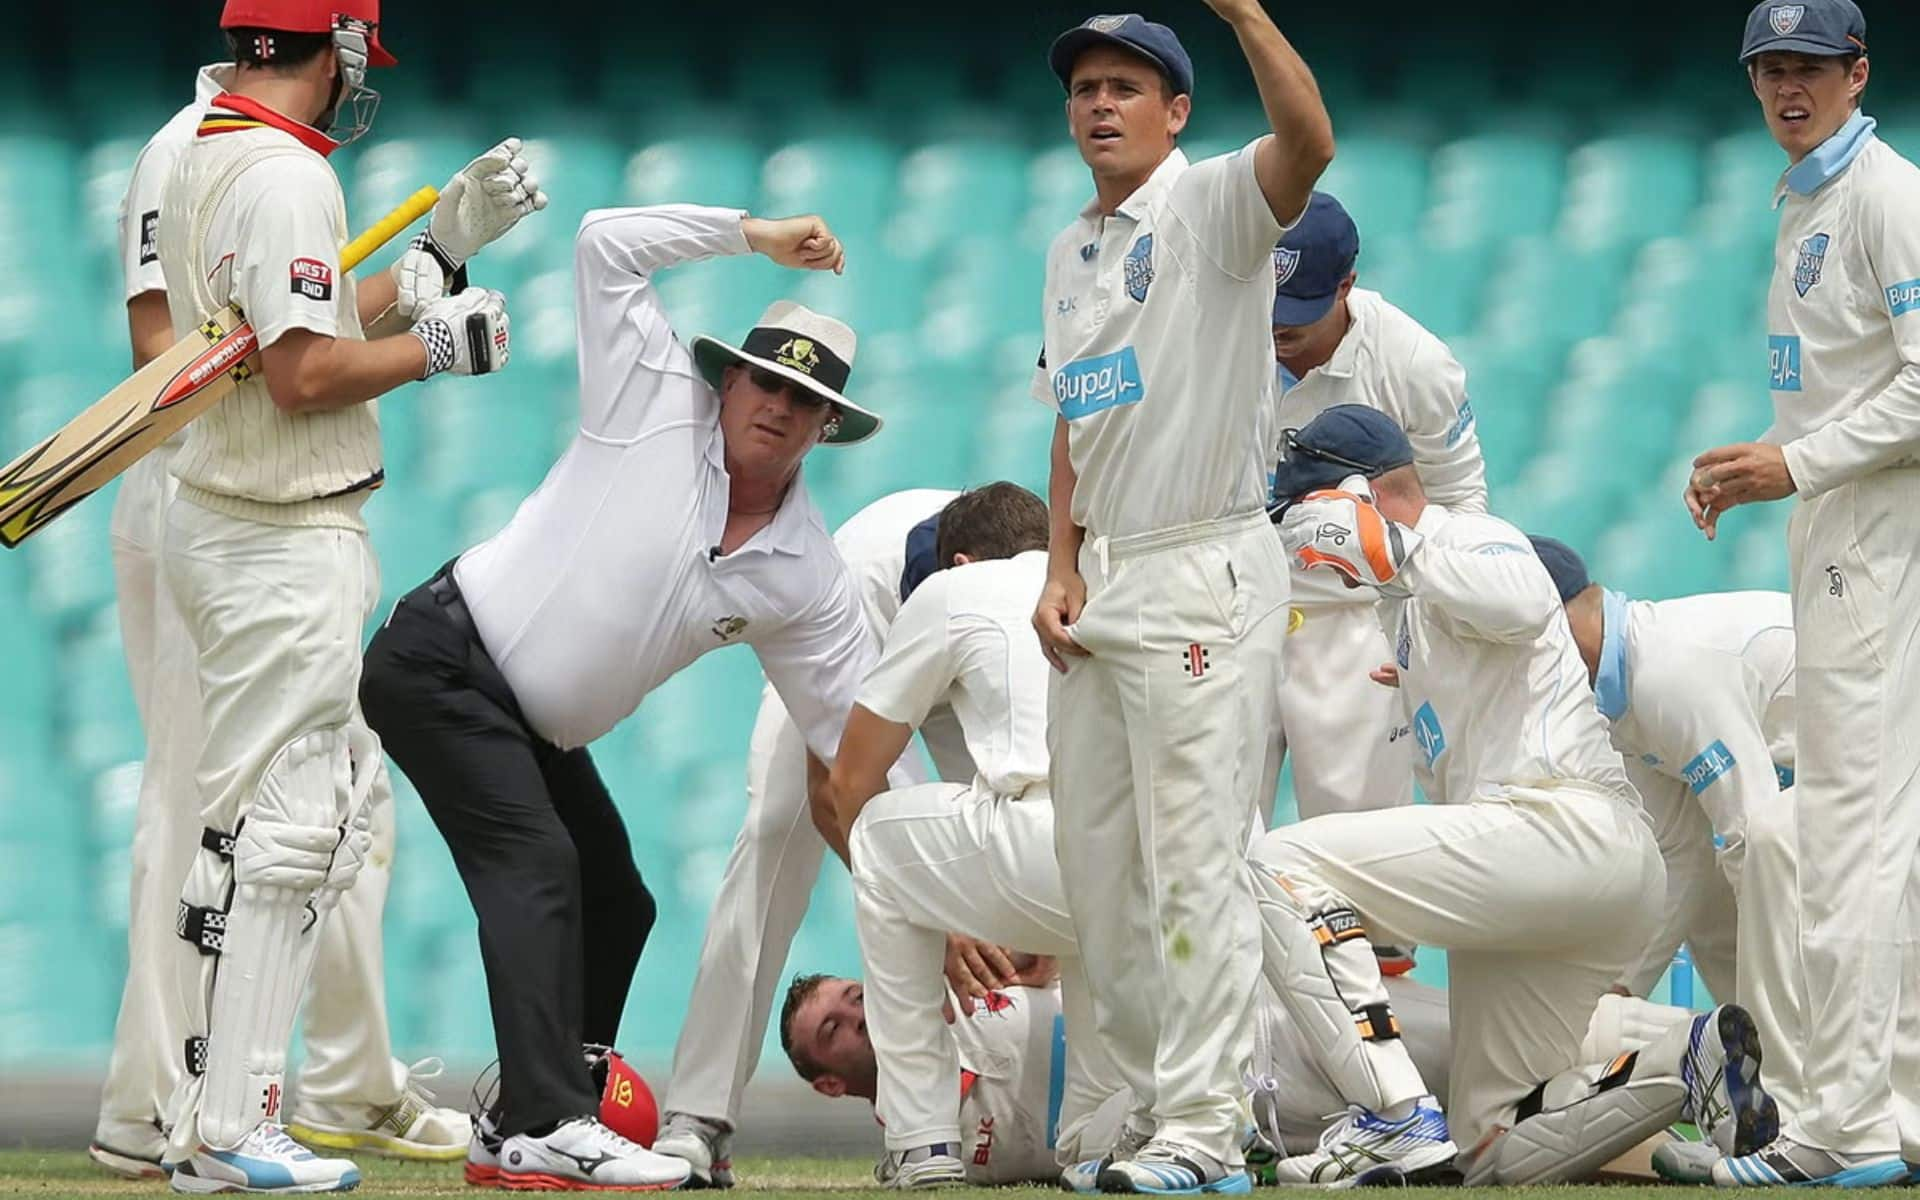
x,y
1509,392
719,169
1624,190
847,179
71,562
949,188
1494,187
1382,183
1741,171
1659,556
1549,290
480,433
1058,187
1697,297
1442,287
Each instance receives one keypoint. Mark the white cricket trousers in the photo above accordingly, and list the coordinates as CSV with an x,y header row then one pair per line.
x,y
1541,898
939,858
1856,614
273,616
1159,740
1342,731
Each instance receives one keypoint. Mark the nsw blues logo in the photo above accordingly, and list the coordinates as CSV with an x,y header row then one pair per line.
x,y
1813,257
1285,262
1139,268
1785,18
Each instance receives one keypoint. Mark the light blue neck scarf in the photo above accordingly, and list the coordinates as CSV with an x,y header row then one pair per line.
x,y
1831,157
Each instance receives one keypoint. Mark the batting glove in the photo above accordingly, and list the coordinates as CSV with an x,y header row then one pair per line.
x,y
479,205
466,334
1341,531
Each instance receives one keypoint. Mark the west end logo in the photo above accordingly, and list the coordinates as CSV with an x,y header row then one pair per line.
x,y
798,353
1785,18
1813,257
1139,268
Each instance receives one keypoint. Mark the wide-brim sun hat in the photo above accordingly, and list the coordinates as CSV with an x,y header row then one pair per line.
x,y
810,349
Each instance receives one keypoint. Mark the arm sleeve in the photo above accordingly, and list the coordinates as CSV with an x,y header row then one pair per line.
x,y
815,664
1886,427
1686,847
628,351
917,664
1438,418
1485,579
1042,385
287,249
1219,200
140,221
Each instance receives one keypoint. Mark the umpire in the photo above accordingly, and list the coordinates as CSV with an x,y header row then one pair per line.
x,y
676,523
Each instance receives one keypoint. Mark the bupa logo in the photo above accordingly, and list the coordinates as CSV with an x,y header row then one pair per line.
x,y
1428,734
1285,262
1090,385
1785,18
1813,258
1708,765
312,278
1462,421
1783,362
1139,268
1903,298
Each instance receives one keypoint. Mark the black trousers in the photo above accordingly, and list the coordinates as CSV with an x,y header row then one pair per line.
x,y
538,843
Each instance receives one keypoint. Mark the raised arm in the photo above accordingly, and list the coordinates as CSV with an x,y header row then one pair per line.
x,y
1290,162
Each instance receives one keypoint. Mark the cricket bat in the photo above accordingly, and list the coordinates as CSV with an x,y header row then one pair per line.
x,y
154,403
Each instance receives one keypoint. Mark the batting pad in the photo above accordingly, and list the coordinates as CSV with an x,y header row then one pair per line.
x,y
1579,1129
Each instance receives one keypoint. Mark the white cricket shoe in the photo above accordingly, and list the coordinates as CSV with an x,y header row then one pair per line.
x,y
933,1166
1364,1149
1682,1161
483,1153
583,1155
704,1144
129,1149
1721,1070
1170,1169
1084,1176
1787,1162
411,1128
266,1161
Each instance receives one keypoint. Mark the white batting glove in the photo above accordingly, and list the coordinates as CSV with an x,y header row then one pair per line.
x,y
466,334
489,196
1340,530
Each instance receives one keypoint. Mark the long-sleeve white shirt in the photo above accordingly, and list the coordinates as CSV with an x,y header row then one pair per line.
x,y
1388,361
608,580
1493,683
1843,312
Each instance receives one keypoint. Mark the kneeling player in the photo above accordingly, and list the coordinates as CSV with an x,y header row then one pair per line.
x,y
1534,866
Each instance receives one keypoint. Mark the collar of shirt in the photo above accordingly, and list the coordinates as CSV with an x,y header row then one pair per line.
x,y
786,533
1610,682
1135,206
1828,159
212,81
229,113
1432,517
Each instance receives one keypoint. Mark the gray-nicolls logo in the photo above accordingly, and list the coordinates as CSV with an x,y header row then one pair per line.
x,y
1836,582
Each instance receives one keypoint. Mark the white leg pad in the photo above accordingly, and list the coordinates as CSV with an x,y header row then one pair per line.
x,y
1623,1024
1588,1117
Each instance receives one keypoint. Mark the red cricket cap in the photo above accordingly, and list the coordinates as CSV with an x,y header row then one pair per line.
x,y
308,16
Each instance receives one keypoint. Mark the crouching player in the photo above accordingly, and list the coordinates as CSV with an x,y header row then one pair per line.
x,y
1534,866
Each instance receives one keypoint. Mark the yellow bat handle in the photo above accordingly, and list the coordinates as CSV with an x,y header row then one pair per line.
x,y
388,227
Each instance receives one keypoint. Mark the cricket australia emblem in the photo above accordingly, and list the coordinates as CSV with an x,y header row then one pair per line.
x,y
1139,268
1813,258
1785,18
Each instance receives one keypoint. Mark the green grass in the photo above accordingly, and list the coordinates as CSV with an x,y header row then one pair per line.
x,y
55,1175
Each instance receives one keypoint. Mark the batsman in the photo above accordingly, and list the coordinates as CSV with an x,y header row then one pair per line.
x,y
265,552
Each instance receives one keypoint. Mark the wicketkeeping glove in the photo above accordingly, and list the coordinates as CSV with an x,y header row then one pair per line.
x,y
466,334
488,197
1341,530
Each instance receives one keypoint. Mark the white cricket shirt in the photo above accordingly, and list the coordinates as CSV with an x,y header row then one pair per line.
x,y
606,581
1843,312
1013,1072
966,637
1388,361
1494,687
1159,348
252,215
873,541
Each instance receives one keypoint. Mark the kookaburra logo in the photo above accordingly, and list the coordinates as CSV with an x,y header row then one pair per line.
x,y
728,628
1330,532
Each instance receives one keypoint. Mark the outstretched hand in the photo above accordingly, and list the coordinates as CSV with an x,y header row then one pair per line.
x,y
1729,476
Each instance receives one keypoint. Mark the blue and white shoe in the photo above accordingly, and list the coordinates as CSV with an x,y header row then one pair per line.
x,y
1680,1161
266,1161
1168,1169
1787,1162
1364,1149
1721,1071
1083,1177
937,1165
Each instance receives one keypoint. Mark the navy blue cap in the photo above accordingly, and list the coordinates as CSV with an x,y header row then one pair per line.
x,y
1826,27
923,556
1568,571
1347,439
1311,261
1129,31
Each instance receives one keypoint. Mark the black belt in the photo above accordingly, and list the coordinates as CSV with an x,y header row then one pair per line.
x,y
446,594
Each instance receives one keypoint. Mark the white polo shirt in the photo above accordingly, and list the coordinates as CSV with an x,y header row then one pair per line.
x,y
966,637
1388,361
874,543
1493,684
1159,348
1843,312
607,581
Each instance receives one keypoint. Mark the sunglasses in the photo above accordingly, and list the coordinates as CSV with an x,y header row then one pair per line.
x,y
768,381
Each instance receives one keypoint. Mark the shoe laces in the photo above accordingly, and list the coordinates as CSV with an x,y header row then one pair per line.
x,y
420,1072
1341,1129
273,1139
607,1138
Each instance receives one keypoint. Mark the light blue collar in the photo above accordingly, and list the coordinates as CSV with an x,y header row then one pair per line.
x,y
1610,682
1828,159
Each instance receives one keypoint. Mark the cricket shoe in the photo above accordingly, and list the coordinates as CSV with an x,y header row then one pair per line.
x,y
412,1128
1084,1176
266,1161
1168,1169
1682,1161
1721,1071
1365,1149
582,1155
937,1165
705,1145
129,1149
483,1153
1790,1163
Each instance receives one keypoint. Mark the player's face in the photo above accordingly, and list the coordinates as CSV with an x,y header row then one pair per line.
x,y
1120,114
832,1028
1806,97
769,422
1296,341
